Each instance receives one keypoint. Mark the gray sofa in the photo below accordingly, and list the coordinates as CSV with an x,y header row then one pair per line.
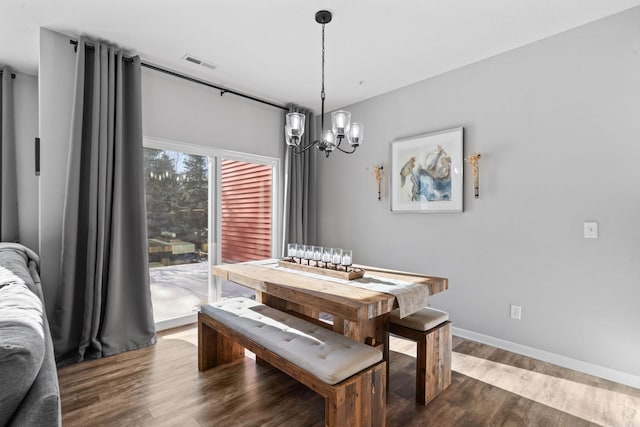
x,y
29,391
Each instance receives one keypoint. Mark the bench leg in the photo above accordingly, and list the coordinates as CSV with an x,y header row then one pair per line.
x,y
433,373
260,361
213,348
359,401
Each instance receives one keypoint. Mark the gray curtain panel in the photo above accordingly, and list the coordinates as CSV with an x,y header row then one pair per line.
x,y
103,305
8,175
299,188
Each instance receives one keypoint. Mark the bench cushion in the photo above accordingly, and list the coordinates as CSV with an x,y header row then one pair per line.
x,y
422,320
327,355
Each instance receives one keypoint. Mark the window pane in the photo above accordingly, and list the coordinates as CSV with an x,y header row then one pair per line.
x,y
246,211
177,195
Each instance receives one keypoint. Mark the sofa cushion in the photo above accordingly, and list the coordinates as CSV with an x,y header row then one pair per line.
x,y
22,342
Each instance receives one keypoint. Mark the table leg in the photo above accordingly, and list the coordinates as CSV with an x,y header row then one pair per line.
x,y
374,332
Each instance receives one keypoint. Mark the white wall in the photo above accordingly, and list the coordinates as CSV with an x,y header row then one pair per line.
x,y
557,123
180,110
25,96
56,76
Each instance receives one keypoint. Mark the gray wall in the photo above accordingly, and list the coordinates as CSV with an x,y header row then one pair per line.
x,y
25,91
173,109
557,123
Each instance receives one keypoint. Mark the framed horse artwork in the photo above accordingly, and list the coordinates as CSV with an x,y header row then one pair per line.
x,y
427,171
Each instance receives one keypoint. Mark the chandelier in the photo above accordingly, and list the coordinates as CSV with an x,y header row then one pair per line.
x,y
341,127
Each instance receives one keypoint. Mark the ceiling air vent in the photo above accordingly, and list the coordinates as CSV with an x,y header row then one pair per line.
x,y
208,65
192,59
199,61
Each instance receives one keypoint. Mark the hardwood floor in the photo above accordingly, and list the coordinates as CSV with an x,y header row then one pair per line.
x,y
161,386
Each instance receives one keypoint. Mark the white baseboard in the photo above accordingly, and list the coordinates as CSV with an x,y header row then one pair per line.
x,y
556,359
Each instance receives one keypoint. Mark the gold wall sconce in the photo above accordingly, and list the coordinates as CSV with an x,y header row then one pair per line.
x,y
377,174
473,159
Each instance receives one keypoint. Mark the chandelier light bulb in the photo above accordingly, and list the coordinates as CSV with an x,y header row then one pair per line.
x,y
294,128
356,132
340,121
289,136
329,140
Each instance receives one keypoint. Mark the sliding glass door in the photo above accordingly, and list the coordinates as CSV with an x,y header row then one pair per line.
x,y
204,207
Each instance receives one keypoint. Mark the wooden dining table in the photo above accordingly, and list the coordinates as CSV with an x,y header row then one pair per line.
x,y
358,313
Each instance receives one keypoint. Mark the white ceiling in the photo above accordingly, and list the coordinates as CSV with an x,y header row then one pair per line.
x,y
271,49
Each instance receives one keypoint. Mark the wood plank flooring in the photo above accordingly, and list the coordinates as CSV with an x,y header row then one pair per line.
x,y
161,386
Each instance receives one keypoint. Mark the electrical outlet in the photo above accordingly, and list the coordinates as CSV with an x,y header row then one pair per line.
x,y
590,230
516,312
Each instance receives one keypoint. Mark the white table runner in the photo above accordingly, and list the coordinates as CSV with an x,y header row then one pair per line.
x,y
411,297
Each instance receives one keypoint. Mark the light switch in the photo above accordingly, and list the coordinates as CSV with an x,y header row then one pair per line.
x,y
590,230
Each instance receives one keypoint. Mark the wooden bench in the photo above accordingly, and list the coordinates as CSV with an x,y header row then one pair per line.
x,y
351,376
431,329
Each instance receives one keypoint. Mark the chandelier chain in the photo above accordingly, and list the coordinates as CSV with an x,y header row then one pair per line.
x,y
322,61
322,92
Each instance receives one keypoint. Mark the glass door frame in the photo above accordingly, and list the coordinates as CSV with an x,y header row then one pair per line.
x,y
215,157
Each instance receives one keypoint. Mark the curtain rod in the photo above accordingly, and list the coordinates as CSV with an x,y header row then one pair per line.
x,y
13,75
194,80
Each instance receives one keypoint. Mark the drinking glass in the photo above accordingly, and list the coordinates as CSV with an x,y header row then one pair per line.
x,y
292,250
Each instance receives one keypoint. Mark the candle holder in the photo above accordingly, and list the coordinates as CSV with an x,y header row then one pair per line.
x,y
292,250
347,257
308,254
335,262
317,255
336,257
336,271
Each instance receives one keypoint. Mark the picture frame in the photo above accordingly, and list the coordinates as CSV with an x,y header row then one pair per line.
x,y
427,172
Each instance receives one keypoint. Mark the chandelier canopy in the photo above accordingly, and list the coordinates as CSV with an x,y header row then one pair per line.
x,y
341,126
